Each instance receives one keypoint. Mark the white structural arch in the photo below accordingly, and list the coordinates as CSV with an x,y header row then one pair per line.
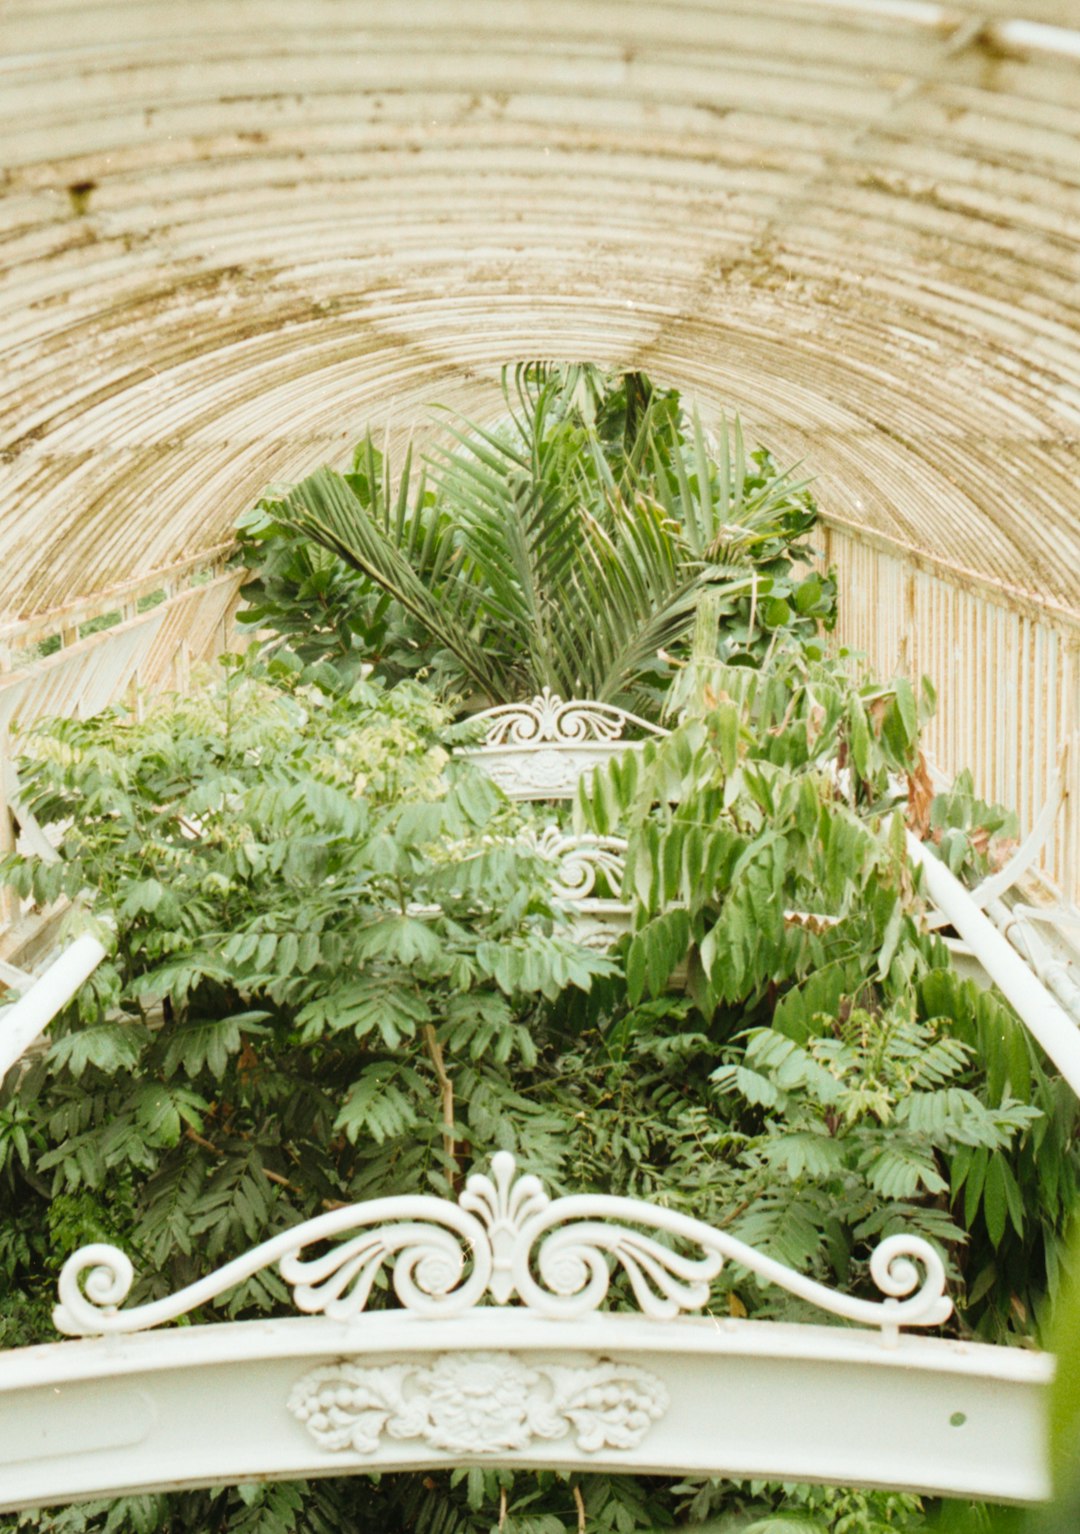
x,y
460,1375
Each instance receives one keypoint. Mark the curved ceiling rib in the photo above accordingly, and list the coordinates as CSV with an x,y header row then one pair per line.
x,y
235,231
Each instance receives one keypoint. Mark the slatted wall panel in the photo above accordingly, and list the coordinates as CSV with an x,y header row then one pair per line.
x,y
1006,673
152,653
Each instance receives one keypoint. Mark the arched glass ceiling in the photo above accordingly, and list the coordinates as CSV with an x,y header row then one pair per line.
x,y
233,231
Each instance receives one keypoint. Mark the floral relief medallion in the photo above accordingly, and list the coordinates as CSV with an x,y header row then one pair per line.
x,y
538,772
478,1403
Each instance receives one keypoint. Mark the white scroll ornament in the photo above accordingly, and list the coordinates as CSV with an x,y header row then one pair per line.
x,y
504,1237
579,860
539,750
548,719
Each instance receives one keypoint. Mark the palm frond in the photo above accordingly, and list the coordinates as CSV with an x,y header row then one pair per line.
x,y
324,507
568,544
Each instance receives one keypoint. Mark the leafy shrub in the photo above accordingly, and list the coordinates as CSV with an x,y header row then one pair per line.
x,y
278,1024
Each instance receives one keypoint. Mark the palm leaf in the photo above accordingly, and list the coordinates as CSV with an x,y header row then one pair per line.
x,y
542,553
324,507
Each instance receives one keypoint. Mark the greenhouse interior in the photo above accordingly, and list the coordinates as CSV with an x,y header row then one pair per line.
x,y
540,773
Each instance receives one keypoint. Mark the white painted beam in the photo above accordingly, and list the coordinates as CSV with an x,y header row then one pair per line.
x,y
621,1393
1043,1016
26,1019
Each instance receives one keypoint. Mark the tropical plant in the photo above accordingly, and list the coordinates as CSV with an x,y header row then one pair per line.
x,y
568,546
766,859
336,975
339,970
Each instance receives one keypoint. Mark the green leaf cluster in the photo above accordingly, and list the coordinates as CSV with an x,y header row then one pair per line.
x,y
314,907
568,546
768,875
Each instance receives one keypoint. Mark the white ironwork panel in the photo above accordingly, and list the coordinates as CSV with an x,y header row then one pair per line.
x,y
539,749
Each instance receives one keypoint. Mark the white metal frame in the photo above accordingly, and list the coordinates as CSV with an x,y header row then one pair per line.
x,y
1006,667
451,1378
539,750
23,1023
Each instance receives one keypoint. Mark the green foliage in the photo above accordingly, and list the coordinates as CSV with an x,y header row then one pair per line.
x,y
767,863
796,1508
278,1507
567,547
857,1126
300,932
965,828
324,610
323,921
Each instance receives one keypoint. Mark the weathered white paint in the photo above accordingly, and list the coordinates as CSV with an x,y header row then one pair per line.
x,y
854,222
151,652
1043,1016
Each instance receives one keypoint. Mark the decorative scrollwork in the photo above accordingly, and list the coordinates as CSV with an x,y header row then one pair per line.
x,y
548,719
504,1236
579,860
429,1240
539,750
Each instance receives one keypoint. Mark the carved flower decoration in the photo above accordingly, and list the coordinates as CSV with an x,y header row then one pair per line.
x,y
478,1403
484,1401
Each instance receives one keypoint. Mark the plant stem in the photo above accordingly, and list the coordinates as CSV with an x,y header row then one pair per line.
x,y
446,1090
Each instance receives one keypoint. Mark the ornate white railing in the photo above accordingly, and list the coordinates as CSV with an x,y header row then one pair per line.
x,y
500,1351
539,750
502,1228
